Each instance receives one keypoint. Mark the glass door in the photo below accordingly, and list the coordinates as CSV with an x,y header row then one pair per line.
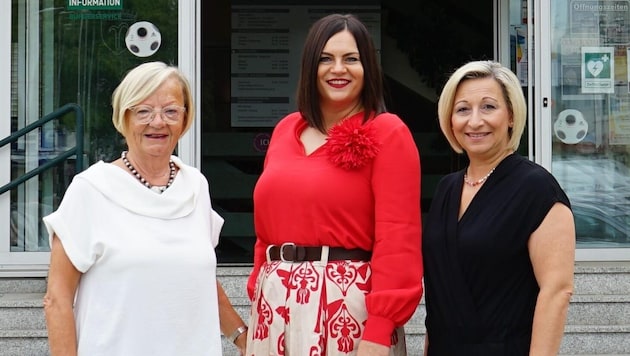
x,y
250,55
585,117
62,52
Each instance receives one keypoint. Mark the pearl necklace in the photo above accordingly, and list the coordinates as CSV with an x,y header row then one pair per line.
x,y
158,189
480,181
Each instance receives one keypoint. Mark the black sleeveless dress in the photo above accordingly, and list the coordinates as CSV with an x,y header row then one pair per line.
x,y
480,288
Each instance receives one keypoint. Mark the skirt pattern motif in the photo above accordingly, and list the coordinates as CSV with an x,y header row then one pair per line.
x,y
313,308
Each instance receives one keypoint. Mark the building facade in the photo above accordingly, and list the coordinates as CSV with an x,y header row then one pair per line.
x,y
242,59
61,59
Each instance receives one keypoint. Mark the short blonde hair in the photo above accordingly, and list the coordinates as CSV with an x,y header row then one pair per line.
x,y
512,93
142,81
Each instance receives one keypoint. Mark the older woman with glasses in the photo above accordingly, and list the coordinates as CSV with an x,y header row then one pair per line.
x,y
133,266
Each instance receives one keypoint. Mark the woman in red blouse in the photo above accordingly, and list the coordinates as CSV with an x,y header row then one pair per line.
x,y
338,264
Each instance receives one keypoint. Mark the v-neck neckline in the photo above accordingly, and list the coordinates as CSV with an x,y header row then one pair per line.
x,y
298,136
303,125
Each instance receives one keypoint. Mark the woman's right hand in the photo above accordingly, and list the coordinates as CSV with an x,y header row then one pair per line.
x,y
369,348
241,343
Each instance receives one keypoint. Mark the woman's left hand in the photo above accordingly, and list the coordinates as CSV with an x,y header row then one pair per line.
x,y
368,348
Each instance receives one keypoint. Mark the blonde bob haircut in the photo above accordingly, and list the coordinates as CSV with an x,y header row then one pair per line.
x,y
142,81
512,93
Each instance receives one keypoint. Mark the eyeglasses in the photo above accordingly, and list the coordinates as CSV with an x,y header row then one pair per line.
x,y
144,114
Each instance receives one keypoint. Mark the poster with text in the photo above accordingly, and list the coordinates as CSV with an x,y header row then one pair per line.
x,y
619,120
266,44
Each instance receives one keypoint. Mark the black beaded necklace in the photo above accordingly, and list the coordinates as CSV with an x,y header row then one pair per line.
x,y
159,189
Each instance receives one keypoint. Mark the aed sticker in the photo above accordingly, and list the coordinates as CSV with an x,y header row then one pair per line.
x,y
143,39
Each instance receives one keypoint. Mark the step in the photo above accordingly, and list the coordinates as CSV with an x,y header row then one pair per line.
x,y
22,285
598,278
22,311
597,322
583,340
23,343
602,278
22,322
596,340
577,340
599,310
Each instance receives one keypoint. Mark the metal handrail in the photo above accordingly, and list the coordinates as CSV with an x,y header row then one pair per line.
x,y
76,150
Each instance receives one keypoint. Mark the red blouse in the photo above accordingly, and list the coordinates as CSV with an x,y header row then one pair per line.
x,y
367,196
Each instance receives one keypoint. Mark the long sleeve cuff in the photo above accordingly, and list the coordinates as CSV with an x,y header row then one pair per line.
x,y
379,330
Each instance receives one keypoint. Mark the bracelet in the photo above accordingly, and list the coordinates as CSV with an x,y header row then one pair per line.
x,y
238,332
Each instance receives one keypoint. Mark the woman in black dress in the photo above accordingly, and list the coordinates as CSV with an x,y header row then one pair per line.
x,y
499,240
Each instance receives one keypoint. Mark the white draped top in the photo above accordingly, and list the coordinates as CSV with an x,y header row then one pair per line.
x,y
148,262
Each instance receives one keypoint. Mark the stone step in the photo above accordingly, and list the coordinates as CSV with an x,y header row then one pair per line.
x,y
596,340
580,340
22,311
610,337
602,278
23,343
584,310
590,278
22,285
598,319
22,327
599,310
583,340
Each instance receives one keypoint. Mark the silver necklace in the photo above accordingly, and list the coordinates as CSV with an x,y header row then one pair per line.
x,y
134,171
480,181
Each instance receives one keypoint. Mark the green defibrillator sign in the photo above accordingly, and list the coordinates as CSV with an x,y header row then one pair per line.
x,y
95,4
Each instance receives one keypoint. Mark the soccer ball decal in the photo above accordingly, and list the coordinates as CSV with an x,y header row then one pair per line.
x,y
570,127
143,39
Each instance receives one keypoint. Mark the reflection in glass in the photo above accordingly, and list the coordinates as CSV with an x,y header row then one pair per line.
x,y
62,54
591,118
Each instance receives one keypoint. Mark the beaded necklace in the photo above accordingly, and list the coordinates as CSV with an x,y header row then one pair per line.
x,y
155,188
480,181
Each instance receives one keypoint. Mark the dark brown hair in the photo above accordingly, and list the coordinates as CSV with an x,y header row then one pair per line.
x,y
320,32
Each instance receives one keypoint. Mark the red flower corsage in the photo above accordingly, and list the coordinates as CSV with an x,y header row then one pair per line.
x,y
351,144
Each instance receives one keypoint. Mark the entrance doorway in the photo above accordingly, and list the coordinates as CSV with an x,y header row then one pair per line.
x,y
249,51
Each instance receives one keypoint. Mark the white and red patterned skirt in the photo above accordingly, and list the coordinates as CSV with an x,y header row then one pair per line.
x,y
312,308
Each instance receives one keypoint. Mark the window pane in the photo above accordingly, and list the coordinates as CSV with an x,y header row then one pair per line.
x,y
591,113
417,53
65,54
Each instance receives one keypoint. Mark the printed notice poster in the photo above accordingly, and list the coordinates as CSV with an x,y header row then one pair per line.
x,y
521,56
598,70
605,20
267,43
619,120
